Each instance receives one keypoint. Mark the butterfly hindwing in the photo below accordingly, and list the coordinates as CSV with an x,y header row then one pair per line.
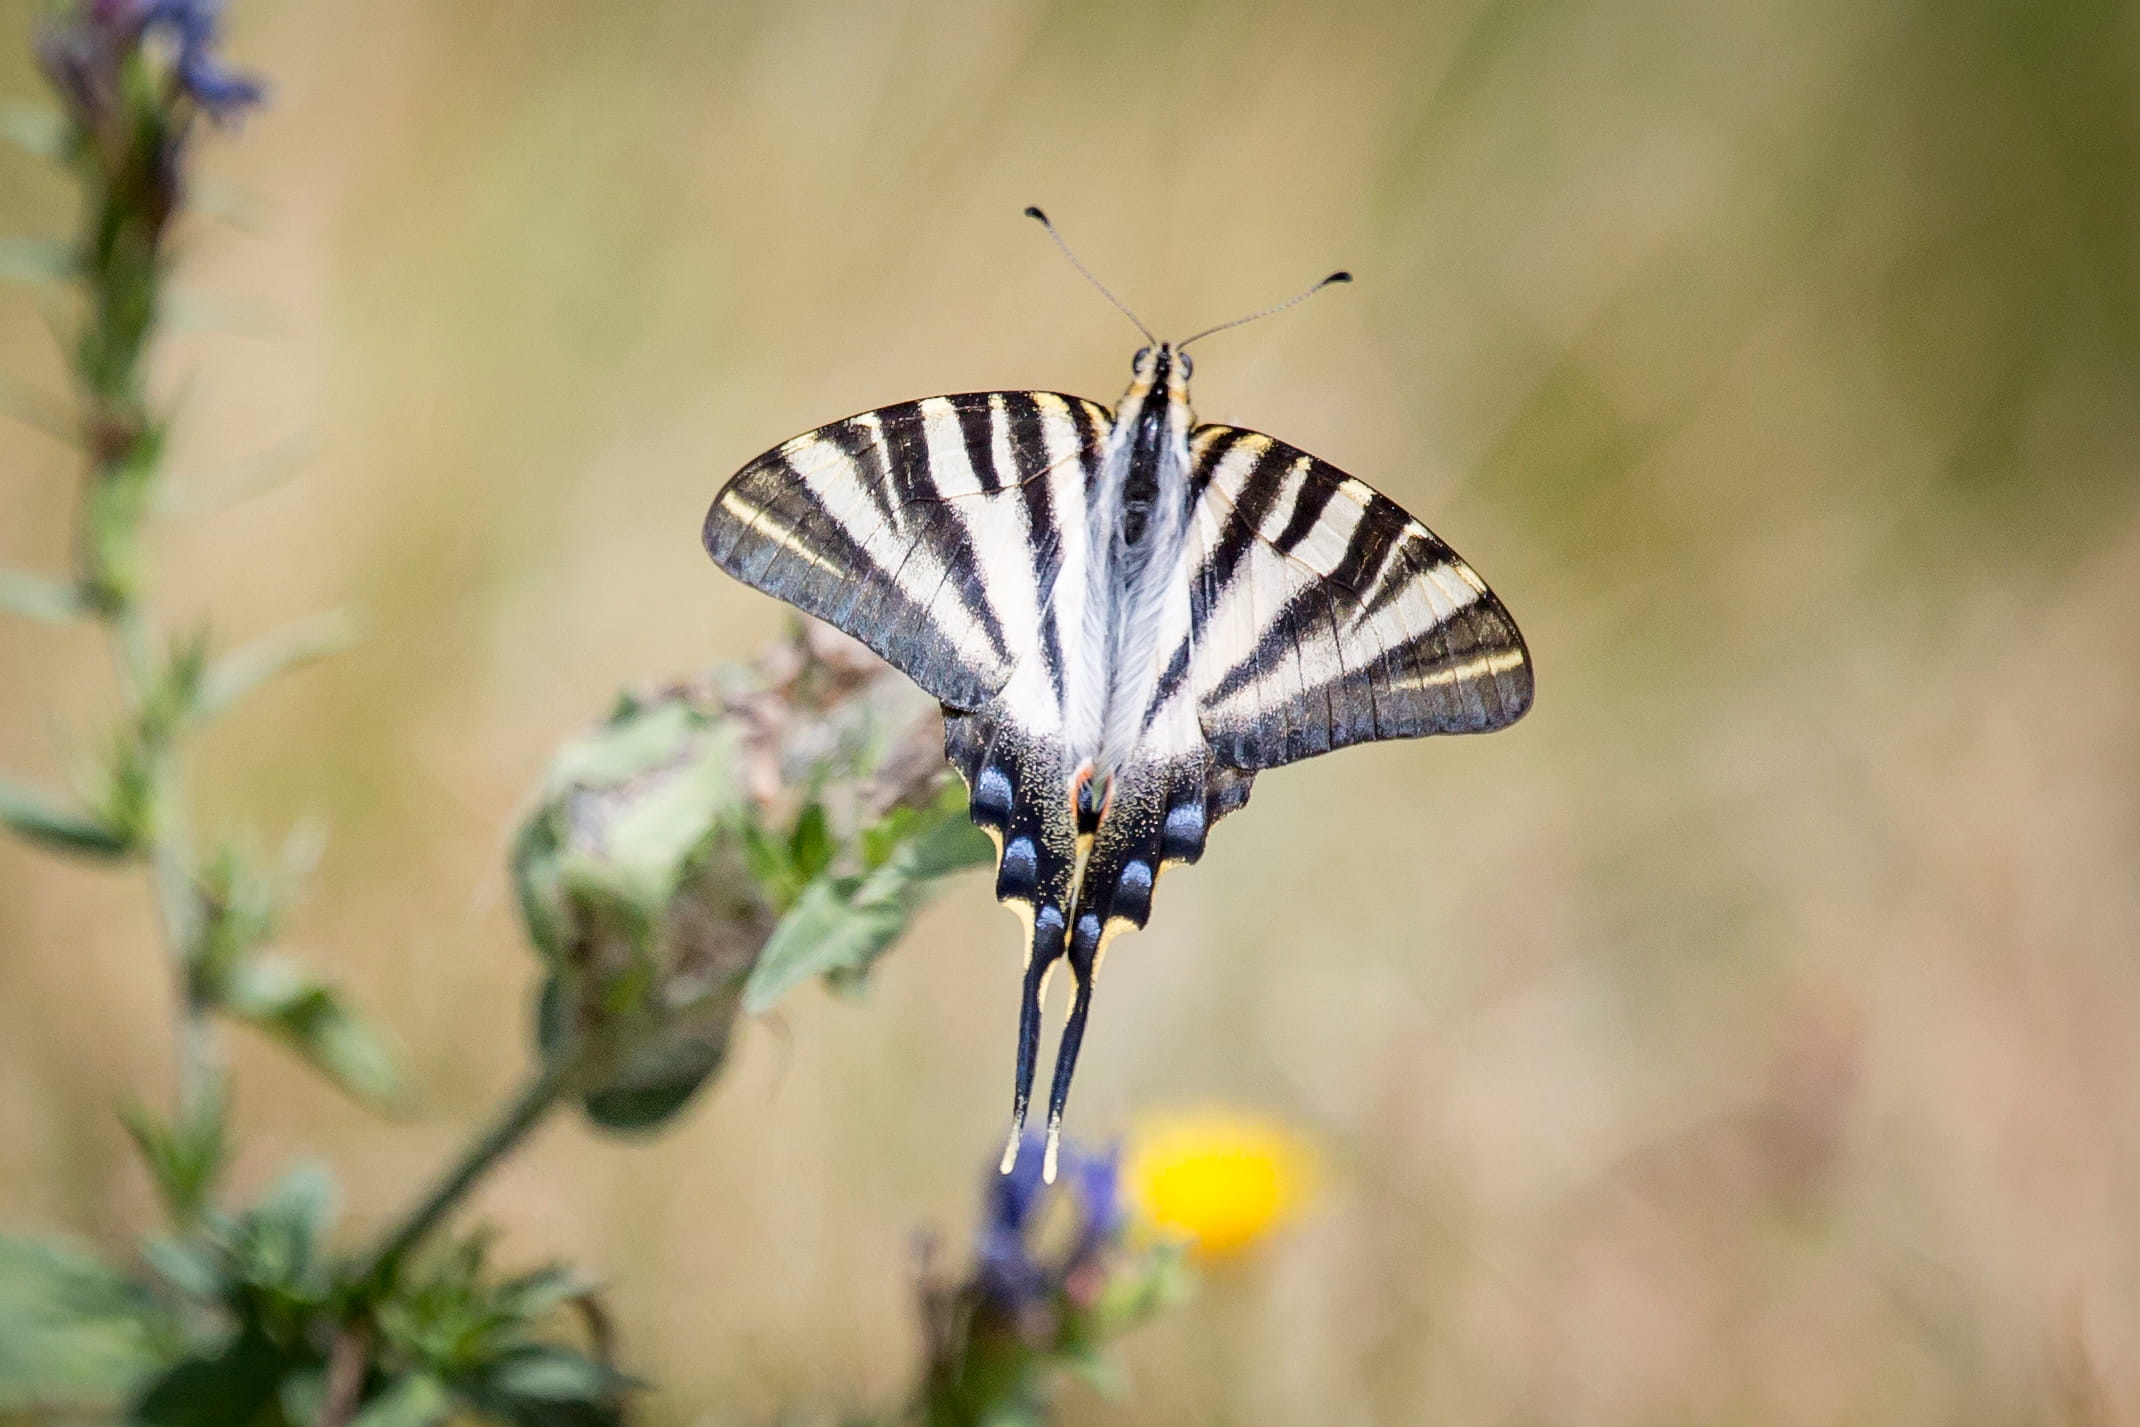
x,y
933,531
1019,798
1321,615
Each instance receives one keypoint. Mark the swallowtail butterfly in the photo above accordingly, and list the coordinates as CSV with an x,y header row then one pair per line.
x,y
1127,616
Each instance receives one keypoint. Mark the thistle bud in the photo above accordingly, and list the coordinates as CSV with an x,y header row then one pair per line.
x,y
671,840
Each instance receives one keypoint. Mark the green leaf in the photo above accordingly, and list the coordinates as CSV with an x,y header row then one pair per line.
x,y
118,788
253,476
948,843
632,1108
72,1329
810,847
531,1295
39,818
766,854
652,829
290,1003
1142,1287
278,1247
841,924
37,129
185,1157
189,1266
230,1388
1098,1369
238,911
300,1206
235,675
36,260
828,929
552,1375
418,1400
543,1386
176,693
35,597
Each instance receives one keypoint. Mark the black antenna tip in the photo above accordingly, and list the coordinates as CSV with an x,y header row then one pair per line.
x,y
1033,212
1339,276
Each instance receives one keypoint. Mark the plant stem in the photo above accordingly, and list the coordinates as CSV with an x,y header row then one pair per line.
x,y
178,903
131,194
521,1115
131,197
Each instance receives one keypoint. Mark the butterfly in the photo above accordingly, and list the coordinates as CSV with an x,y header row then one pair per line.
x,y
1126,616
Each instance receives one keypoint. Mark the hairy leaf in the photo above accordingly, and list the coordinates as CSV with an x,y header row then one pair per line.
x,y
235,675
39,818
841,924
72,1329
418,1400
37,129
545,1386
292,1004
35,597
230,1388
36,260
185,1157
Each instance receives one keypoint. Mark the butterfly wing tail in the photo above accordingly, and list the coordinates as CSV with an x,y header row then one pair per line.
x,y
1019,798
1157,815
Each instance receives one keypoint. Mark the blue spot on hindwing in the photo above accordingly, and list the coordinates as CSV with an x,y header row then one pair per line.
x,y
1183,838
1019,874
1133,892
992,796
1087,940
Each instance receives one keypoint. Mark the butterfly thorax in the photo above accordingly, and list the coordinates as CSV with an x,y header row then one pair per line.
x,y
1137,527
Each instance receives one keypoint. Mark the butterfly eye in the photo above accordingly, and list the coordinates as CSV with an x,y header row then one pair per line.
x,y
1136,363
1188,368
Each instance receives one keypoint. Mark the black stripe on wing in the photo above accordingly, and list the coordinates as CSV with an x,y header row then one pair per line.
x,y
1322,615
854,523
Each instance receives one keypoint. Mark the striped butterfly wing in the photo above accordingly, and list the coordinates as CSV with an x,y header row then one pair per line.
x,y
933,531
1321,615
1315,614
937,532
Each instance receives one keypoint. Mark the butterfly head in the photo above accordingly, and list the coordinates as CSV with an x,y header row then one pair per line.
x,y
1162,362
1159,381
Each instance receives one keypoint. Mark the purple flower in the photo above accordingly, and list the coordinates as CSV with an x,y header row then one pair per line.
x,y
1097,1182
1010,1272
85,53
193,24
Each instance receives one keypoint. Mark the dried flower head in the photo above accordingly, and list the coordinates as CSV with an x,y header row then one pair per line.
x,y
673,839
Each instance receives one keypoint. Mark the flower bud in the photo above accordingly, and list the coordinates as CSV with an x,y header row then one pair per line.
x,y
670,838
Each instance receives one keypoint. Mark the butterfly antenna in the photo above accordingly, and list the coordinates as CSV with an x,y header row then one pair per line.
x,y
1296,299
1042,219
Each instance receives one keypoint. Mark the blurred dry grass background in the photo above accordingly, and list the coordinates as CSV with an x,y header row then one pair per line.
x,y
1749,1036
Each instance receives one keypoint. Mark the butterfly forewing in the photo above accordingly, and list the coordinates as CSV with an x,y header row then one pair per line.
x,y
933,531
1322,615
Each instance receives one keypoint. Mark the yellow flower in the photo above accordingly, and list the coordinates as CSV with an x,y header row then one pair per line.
x,y
1222,1179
